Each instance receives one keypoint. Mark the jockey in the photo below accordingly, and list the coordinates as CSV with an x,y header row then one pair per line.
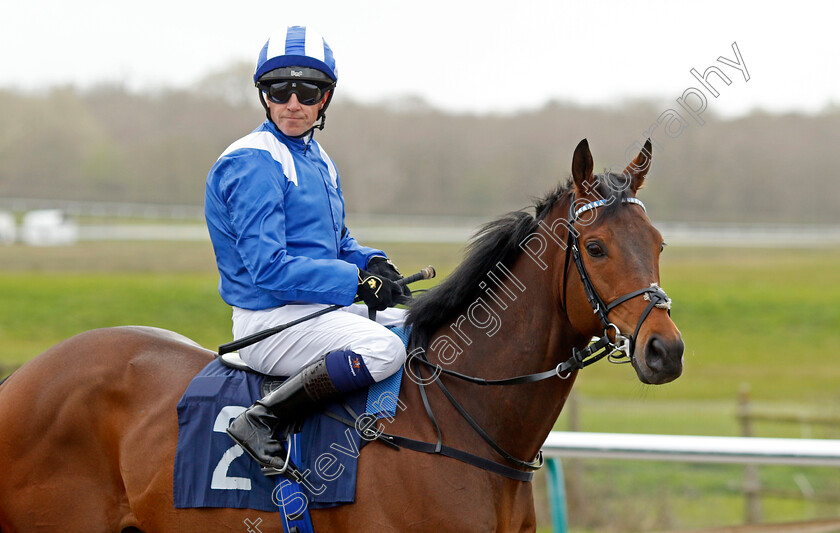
x,y
275,213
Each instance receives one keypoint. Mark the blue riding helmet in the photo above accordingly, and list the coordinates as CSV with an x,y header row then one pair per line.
x,y
295,46
296,53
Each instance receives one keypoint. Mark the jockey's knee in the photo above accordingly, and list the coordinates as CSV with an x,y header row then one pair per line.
x,y
383,356
397,349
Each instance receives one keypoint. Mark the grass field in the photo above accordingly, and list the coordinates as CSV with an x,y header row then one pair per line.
x,y
768,318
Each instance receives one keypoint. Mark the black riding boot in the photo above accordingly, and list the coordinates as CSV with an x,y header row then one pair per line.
x,y
255,429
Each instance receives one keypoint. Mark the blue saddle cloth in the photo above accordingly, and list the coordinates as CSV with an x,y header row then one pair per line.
x,y
212,471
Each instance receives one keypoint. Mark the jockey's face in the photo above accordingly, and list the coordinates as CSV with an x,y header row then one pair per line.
x,y
293,118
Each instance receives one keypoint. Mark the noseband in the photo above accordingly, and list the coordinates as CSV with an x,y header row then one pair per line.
x,y
623,345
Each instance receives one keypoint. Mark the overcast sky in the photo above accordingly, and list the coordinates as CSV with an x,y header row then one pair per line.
x,y
476,56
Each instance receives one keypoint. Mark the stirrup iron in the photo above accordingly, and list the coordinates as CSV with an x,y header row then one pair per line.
x,y
272,471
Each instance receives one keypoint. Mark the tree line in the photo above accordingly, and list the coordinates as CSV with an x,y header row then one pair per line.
x,y
404,157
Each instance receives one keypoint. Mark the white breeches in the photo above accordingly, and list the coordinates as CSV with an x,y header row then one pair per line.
x,y
348,328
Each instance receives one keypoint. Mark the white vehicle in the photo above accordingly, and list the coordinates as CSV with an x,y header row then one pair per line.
x,y
48,227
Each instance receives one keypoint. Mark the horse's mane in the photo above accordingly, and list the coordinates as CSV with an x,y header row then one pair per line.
x,y
495,242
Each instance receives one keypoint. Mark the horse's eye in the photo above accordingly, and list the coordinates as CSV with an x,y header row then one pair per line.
x,y
594,249
662,248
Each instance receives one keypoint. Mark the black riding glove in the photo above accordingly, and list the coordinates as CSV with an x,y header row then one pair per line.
x,y
379,293
384,268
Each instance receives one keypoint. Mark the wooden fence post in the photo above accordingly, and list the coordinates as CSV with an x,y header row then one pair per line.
x,y
752,478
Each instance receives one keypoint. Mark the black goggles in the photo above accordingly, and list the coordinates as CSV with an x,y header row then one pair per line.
x,y
308,93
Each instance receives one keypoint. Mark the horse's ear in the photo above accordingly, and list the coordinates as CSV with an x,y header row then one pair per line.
x,y
638,168
582,166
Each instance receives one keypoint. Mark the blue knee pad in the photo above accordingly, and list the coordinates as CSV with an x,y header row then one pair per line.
x,y
347,371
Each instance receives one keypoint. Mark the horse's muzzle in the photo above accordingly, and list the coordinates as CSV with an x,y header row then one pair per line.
x,y
662,361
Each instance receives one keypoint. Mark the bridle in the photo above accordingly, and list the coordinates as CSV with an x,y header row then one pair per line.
x,y
616,350
623,344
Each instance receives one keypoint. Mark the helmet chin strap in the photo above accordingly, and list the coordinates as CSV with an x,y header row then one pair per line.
x,y
319,126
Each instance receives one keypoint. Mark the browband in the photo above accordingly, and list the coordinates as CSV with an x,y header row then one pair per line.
x,y
599,203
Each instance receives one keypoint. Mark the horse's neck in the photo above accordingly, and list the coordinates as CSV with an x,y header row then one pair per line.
x,y
516,327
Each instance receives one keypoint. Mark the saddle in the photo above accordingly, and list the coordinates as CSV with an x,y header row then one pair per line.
x,y
212,471
232,360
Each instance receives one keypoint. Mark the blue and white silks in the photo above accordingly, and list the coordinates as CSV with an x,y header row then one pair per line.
x,y
275,213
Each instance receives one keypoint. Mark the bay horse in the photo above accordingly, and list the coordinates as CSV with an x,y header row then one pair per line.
x,y
88,429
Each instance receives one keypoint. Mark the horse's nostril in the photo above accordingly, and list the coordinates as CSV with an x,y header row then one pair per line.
x,y
655,354
663,357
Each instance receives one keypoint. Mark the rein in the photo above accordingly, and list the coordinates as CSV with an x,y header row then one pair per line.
x,y
581,358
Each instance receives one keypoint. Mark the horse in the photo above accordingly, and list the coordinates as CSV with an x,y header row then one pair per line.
x,y
88,429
